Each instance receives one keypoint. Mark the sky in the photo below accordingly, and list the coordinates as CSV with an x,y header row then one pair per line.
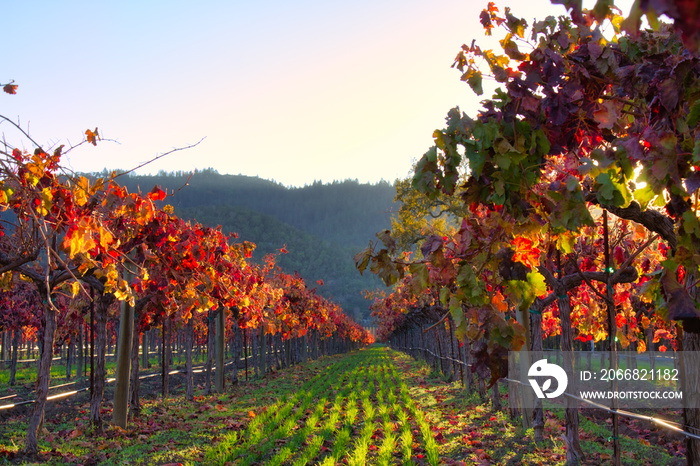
x,y
296,92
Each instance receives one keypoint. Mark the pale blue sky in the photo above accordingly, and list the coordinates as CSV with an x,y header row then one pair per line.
x,y
291,91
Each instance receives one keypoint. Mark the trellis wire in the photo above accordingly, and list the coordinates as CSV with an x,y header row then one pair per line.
x,y
674,426
110,380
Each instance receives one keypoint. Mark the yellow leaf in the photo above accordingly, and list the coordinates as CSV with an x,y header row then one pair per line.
x,y
106,238
112,275
75,288
88,244
624,342
600,334
81,191
46,201
6,281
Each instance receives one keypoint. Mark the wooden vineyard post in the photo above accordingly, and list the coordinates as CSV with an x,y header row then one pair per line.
x,y
536,337
189,334
245,352
220,343
452,344
612,336
262,354
439,349
92,340
210,351
3,346
164,364
526,397
81,351
144,350
123,372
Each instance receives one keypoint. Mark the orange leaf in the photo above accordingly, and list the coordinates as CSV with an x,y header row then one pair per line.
x,y
499,302
92,136
641,346
251,414
10,88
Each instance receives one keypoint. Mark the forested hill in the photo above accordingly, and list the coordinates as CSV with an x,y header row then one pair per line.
x,y
322,225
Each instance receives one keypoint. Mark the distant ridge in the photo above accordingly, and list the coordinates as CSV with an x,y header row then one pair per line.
x,y
322,225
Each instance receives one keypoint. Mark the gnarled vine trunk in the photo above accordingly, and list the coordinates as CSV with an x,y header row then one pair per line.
x,y
98,387
42,385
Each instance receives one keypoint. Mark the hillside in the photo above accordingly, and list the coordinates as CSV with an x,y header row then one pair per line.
x,y
322,225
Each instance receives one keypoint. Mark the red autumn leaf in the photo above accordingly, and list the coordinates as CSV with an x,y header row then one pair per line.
x,y
10,88
525,253
156,194
621,320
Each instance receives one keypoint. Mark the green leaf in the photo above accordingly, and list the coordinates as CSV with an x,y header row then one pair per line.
x,y
444,294
611,191
690,223
457,312
541,144
572,184
362,258
644,195
694,114
502,146
420,275
536,280
503,160
565,243
653,19
474,79
601,9
525,291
